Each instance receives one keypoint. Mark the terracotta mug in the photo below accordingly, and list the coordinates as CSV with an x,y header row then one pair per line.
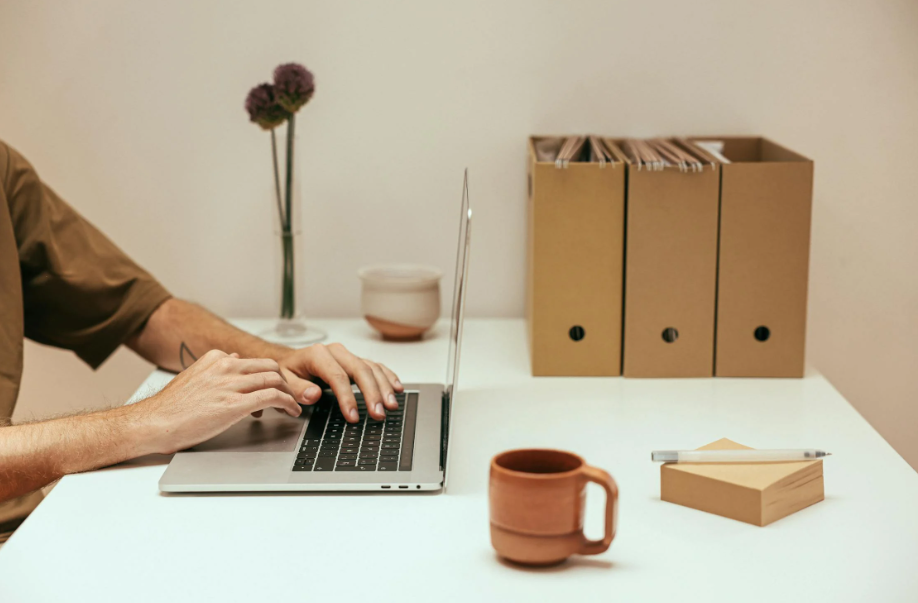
x,y
537,499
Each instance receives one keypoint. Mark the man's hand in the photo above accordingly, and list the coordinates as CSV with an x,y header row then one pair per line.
x,y
178,330
210,396
337,367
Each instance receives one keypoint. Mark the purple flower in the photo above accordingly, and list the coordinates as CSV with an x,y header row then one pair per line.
x,y
293,85
263,108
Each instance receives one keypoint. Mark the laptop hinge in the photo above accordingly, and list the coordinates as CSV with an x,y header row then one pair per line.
x,y
444,428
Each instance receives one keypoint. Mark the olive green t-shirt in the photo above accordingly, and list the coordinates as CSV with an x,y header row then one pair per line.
x,y
62,282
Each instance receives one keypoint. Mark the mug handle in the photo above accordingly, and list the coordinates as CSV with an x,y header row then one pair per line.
x,y
598,476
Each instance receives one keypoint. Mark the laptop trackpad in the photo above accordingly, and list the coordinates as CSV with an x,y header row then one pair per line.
x,y
273,432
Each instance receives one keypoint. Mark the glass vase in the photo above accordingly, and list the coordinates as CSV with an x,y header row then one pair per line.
x,y
291,328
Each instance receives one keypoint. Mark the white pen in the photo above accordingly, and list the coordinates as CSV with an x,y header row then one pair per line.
x,y
735,456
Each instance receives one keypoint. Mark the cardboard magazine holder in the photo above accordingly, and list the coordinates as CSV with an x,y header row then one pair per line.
x,y
575,249
765,207
670,266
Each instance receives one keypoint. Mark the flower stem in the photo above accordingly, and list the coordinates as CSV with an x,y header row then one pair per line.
x,y
287,292
290,131
288,302
277,185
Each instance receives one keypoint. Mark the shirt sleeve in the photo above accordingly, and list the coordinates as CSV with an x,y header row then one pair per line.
x,y
80,291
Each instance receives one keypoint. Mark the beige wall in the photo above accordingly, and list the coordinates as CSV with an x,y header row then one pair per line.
x,y
134,112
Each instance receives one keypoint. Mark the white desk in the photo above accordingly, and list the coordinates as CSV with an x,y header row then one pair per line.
x,y
110,535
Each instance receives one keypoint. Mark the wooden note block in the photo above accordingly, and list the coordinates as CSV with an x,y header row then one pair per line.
x,y
757,493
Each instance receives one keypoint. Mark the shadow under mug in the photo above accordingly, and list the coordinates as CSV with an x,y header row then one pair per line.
x,y
537,500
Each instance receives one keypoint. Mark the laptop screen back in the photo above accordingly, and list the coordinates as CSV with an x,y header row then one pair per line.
x,y
458,315
462,268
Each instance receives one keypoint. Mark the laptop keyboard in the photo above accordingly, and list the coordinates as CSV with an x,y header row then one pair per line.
x,y
332,444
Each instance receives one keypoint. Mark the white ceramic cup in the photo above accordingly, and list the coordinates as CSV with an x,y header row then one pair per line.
x,y
401,301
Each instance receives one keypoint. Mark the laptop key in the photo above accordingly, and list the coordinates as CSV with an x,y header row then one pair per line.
x,y
347,457
328,454
301,468
388,467
345,463
324,464
368,455
390,446
366,462
366,467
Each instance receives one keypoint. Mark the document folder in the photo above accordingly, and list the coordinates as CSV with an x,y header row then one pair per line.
x,y
576,244
670,260
765,200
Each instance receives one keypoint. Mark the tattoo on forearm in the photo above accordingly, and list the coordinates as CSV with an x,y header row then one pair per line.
x,y
186,357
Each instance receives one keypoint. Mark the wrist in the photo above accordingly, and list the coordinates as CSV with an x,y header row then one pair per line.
x,y
275,351
141,431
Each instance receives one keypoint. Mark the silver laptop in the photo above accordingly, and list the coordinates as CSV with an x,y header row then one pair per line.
x,y
320,451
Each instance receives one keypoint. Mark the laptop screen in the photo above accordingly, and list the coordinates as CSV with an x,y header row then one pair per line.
x,y
462,268
455,332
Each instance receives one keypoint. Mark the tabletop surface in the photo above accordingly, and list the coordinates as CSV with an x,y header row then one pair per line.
x,y
110,535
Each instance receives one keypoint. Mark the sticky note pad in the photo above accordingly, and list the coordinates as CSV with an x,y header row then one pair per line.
x,y
756,493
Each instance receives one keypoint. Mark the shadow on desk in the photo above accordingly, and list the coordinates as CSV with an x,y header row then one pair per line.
x,y
149,460
275,494
573,563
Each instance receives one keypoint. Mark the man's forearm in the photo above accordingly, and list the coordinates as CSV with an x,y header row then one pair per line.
x,y
179,332
35,454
